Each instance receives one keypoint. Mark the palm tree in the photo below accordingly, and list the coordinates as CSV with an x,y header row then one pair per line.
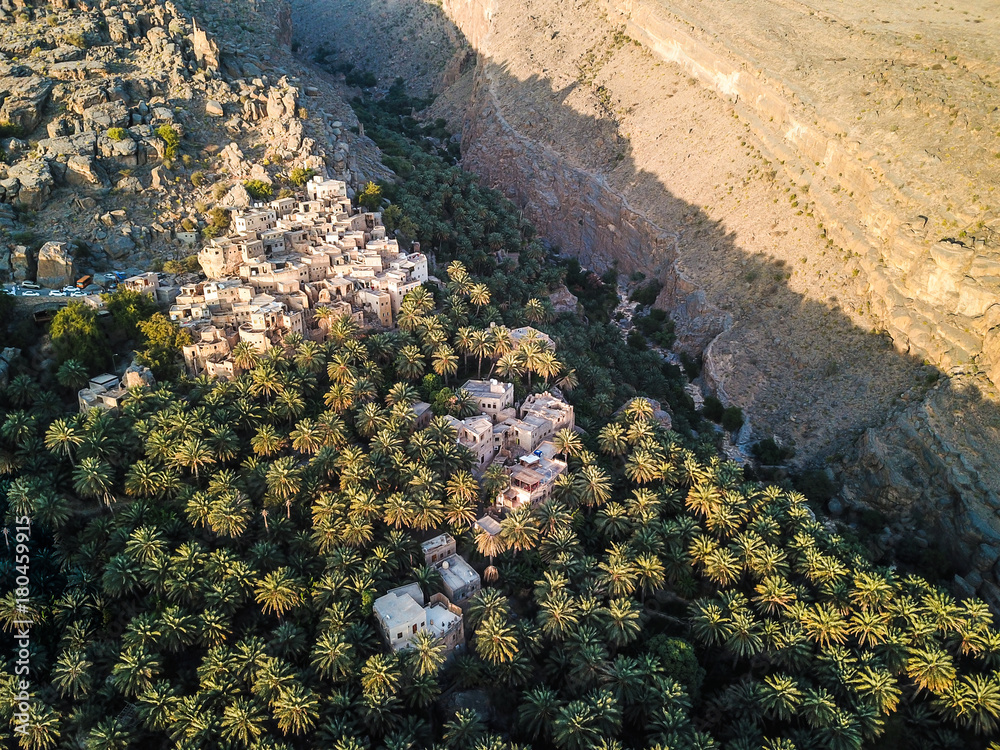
x,y
496,640
340,397
593,486
510,366
278,592
402,393
623,621
531,355
297,710
267,441
333,656
410,363
479,295
464,341
427,654
71,673
308,436
243,721
482,346
135,671
194,454
445,362
611,439
245,356
464,731
932,669
62,436
72,375
93,478
642,467
284,478
538,710
567,442
558,615
519,530
534,310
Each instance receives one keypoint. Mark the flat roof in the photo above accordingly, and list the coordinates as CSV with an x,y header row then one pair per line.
x,y
400,605
437,541
458,572
440,619
489,524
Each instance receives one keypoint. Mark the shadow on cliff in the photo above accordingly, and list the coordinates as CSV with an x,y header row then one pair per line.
x,y
799,367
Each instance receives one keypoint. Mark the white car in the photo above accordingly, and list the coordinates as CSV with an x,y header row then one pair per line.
x,y
69,289
77,294
29,293
57,293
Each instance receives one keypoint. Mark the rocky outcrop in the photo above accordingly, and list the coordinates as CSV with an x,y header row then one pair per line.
x,y
205,50
934,465
55,265
29,183
22,97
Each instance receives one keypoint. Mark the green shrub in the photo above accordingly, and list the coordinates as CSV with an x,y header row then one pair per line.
x,y
712,409
170,137
732,419
173,266
815,485
259,190
117,134
637,341
300,176
11,130
218,223
191,263
198,178
679,661
770,453
371,197
77,40
646,294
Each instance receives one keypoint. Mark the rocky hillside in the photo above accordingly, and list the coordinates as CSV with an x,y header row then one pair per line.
x,y
124,124
814,189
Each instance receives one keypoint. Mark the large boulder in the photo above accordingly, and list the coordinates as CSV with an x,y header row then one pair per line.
x,y
84,170
81,144
35,183
206,51
125,151
55,265
20,263
23,98
106,115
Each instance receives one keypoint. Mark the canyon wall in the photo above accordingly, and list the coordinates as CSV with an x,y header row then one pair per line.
x,y
935,293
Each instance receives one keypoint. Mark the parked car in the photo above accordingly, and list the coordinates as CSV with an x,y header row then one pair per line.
x,y
77,294
30,285
30,293
57,293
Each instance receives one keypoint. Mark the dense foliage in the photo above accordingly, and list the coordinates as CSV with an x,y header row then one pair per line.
x,y
204,562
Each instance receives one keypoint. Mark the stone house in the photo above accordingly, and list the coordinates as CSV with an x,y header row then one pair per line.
x,y
401,614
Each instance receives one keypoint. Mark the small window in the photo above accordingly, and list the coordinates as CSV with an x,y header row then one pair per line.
x,y
414,627
398,636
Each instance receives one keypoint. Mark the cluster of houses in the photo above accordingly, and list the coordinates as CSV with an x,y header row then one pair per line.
x,y
519,442
405,611
285,260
